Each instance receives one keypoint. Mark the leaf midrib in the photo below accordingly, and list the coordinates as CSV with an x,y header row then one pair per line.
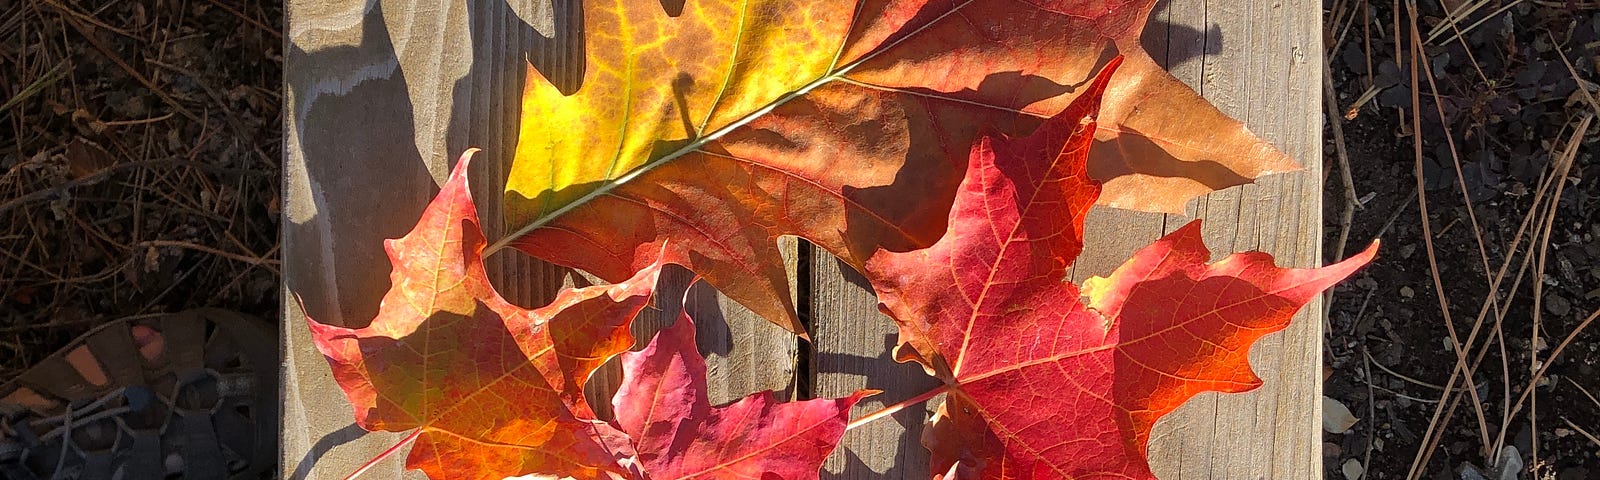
x,y
720,132
1166,143
1006,243
1115,345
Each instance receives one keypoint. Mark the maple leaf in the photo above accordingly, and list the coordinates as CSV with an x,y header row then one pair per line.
x,y
1042,385
679,435
492,389
727,124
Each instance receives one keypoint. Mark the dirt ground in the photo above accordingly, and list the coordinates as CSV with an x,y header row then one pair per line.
x,y
140,156
140,149
1510,106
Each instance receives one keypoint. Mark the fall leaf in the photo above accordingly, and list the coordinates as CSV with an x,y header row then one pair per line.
x,y
1041,384
679,435
492,388
724,125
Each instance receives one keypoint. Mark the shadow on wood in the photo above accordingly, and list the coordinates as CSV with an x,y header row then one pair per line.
x,y
382,97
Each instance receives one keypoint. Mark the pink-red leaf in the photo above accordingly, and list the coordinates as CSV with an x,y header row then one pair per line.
x,y
679,435
1042,385
493,387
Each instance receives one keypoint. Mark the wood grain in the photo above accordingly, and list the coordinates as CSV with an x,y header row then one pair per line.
x,y
852,352
1257,61
383,94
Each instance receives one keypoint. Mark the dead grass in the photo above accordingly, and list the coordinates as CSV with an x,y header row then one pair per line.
x,y
139,164
1505,250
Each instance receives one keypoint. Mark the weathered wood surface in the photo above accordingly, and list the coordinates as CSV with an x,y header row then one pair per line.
x,y
1260,63
383,94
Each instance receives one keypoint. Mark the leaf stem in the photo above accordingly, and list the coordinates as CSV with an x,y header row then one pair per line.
x,y
891,409
386,453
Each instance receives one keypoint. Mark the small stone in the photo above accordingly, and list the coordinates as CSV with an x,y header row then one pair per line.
x,y
1352,469
173,463
1407,292
1331,450
1336,417
1367,283
1510,464
1557,305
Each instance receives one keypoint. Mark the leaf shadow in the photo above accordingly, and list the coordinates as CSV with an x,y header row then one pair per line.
x,y
556,49
673,8
351,217
897,382
357,133
348,434
939,136
714,336
673,292
1134,152
1173,44
363,173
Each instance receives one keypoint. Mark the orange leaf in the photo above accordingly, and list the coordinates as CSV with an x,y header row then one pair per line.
x,y
493,388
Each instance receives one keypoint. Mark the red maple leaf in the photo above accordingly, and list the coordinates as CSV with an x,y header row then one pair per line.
x,y
679,435
1041,384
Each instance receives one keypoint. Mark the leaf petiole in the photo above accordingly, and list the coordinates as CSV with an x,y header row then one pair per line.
x,y
386,453
891,409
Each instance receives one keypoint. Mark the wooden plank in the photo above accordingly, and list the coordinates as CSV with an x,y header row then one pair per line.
x,y
852,352
1257,62
362,160
383,96
744,353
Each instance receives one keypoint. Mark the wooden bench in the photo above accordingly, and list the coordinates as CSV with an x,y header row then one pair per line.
x,y
383,95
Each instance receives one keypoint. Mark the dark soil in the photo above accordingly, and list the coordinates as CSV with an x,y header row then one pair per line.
x,y
140,149
1509,125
